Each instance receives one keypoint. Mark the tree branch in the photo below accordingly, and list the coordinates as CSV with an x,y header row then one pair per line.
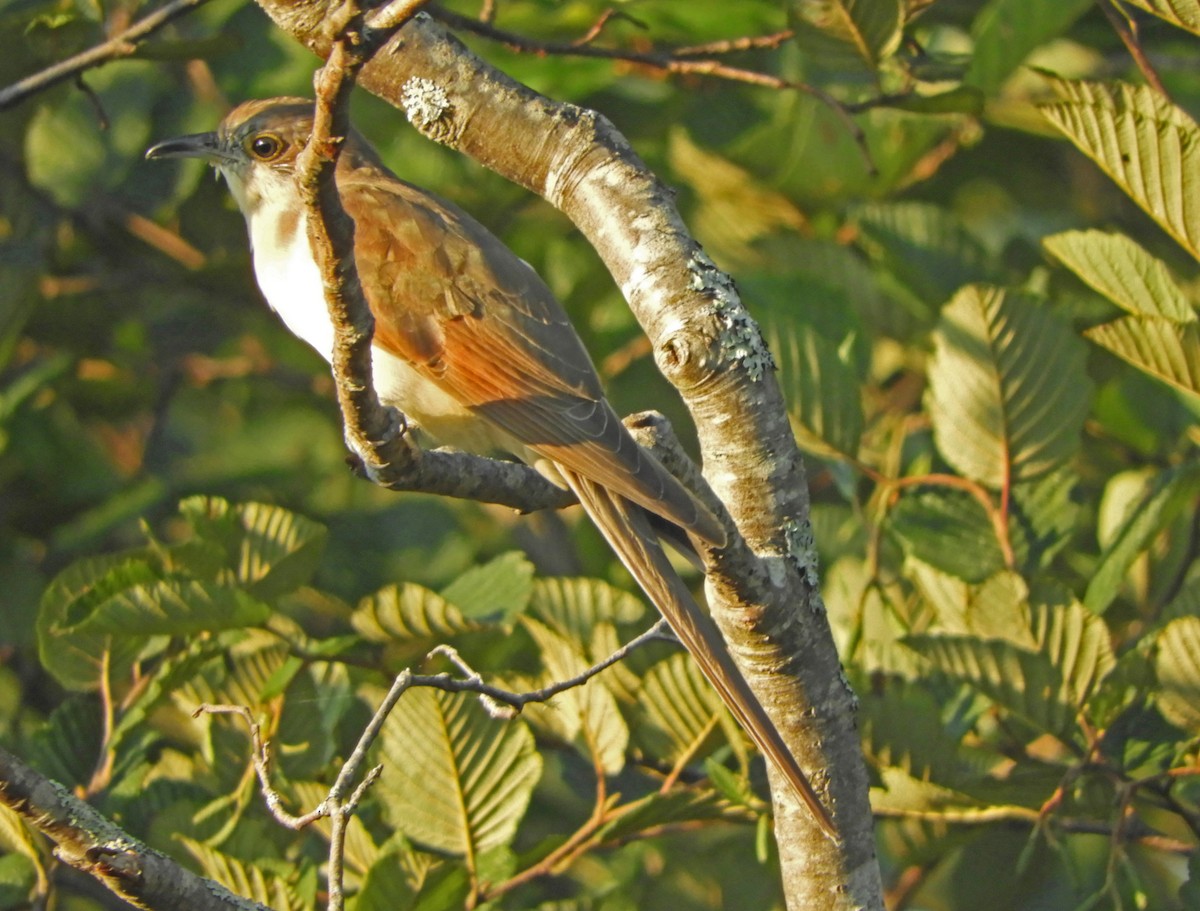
x,y
123,45
92,844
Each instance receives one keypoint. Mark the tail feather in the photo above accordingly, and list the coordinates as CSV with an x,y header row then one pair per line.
x,y
628,531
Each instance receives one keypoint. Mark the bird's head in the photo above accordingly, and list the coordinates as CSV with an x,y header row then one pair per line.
x,y
255,147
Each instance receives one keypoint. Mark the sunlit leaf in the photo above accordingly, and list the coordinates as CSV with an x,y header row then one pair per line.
x,y
1122,271
455,778
1002,406
1007,31
1166,350
256,881
174,608
1177,666
588,712
675,807
682,706
1147,145
1169,492
1183,13
1045,684
409,612
822,388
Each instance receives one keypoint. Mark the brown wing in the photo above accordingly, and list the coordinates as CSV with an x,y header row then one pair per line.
x,y
466,312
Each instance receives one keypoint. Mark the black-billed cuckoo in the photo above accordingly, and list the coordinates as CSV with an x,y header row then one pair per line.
x,y
472,346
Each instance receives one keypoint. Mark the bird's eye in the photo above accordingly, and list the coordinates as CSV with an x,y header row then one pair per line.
x,y
265,146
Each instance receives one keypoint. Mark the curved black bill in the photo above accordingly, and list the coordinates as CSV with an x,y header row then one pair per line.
x,y
198,145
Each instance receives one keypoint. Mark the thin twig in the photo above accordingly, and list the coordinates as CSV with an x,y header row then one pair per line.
x,y
123,45
670,61
1127,30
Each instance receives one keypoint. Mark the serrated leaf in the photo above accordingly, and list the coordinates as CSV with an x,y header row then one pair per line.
x,y
592,614
72,653
280,550
269,550
1021,681
925,246
1122,271
1166,350
1177,666
409,612
837,32
499,588
682,706
172,607
1183,13
1045,684
250,880
1143,142
589,712
1007,387
949,530
822,389
1007,31
904,795
454,778
1169,492
1041,518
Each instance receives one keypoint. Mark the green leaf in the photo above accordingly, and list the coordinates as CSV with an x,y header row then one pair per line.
x,y
68,649
1046,684
1177,666
1166,350
1041,517
1167,494
68,153
174,607
677,699
949,530
18,876
1007,388
822,389
1183,13
270,550
454,778
255,881
1147,145
588,712
676,807
598,618
1007,31
924,246
1122,271
409,613
499,588
839,33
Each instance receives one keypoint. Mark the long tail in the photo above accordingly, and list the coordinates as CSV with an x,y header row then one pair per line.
x,y
628,531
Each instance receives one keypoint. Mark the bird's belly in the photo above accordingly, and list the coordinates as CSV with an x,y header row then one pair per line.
x,y
291,282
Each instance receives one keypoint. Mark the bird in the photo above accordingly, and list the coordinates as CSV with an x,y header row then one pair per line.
x,y
475,350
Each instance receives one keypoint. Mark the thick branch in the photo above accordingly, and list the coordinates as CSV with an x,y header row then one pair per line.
x,y
94,845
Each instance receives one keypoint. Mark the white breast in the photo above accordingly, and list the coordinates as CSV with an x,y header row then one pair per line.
x,y
291,283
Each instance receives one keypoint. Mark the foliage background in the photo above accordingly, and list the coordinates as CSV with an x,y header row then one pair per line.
x,y
1005,512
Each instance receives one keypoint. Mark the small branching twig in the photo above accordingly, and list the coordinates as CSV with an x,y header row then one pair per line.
x,y
122,45
679,62
344,795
